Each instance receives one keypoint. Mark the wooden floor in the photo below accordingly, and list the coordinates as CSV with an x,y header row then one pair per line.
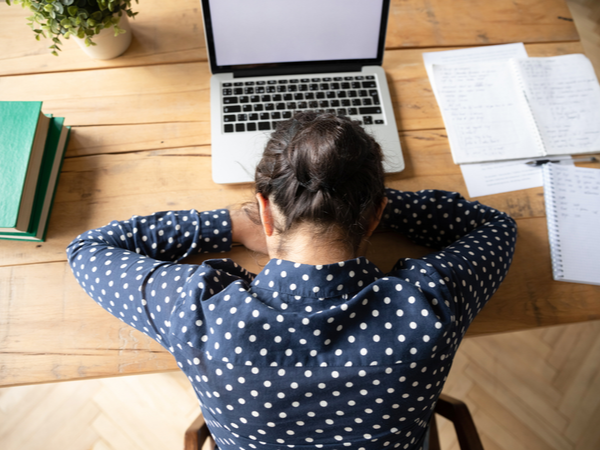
x,y
535,390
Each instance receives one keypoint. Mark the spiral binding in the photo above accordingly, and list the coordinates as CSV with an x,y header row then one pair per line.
x,y
538,136
552,221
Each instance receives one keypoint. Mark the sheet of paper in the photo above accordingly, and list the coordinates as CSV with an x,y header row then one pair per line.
x,y
498,177
485,112
502,52
564,96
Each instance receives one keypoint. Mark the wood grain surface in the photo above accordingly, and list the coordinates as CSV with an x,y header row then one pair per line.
x,y
140,143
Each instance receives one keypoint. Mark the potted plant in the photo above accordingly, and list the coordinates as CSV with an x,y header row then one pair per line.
x,y
100,27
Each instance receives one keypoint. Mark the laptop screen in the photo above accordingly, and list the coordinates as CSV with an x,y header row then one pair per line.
x,y
257,32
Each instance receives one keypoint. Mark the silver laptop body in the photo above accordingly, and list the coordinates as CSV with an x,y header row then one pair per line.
x,y
271,58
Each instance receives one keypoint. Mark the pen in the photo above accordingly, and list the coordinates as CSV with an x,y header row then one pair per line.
x,y
540,162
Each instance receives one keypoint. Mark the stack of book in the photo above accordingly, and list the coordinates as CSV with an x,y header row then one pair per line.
x,y
32,146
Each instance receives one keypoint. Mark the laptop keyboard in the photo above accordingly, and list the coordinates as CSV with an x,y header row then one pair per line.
x,y
258,105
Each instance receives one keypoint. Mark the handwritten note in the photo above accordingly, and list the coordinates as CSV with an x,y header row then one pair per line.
x,y
486,116
573,209
564,96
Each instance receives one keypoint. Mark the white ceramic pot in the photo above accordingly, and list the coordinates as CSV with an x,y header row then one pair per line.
x,y
108,45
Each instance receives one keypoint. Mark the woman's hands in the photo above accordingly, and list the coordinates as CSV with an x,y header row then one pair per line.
x,y
247,229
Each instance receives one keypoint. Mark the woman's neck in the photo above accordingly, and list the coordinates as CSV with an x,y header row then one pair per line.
x,y
305,248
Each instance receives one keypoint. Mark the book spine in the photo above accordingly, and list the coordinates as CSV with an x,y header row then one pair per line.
x,y
533,124
552,221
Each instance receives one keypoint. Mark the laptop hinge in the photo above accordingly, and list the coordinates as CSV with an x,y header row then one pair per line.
x,y
295,70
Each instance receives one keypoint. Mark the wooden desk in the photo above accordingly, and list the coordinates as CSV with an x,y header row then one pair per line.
x,y
141,143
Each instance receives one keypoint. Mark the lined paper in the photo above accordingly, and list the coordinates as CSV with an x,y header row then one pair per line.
x,y
572,196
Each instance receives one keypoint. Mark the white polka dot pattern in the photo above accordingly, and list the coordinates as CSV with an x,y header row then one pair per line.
x,y
331,357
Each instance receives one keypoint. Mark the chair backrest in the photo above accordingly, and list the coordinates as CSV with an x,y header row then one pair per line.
x,y
197,436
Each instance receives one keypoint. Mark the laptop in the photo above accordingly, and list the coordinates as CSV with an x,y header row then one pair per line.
x,y
272,58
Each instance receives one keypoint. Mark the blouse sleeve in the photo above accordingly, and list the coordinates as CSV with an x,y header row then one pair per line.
x,y
131,269
475,246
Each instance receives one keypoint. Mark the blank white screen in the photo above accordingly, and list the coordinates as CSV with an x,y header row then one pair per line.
x,y
273,31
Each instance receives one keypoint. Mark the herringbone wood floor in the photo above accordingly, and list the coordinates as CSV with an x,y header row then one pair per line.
x,y
534,390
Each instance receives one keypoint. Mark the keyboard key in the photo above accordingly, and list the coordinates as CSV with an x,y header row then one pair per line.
x,y
265,116
369,84
302,105
351,93
281,88
260,90
249,90
330,95
249,83
309,96
227,92
265,98
255,98
368,120
324,104
280,106
341,94
251,126
379,122
271,82
276,115
260,83
356,102
352,111
370,110
247,108
229,118
242,117
253,116
240,127
227,84
232,109
342,112
277,98
229,100
291,105
299,96
288,97
370,77
228,128
263,126
258,107
244,99
286,114
334,103
238,83
238,91
271,89
320,95
292,88
303,87
282,81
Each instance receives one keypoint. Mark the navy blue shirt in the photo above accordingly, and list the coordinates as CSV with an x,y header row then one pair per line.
x,y
338,356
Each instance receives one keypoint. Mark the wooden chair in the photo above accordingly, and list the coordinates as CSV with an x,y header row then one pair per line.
x,y
197,436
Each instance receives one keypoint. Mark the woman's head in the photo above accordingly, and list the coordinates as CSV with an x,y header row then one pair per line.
x,y
325,172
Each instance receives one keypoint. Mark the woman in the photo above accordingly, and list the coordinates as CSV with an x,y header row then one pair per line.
x,y
320,349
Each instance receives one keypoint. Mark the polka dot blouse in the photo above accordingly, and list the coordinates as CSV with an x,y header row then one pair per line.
x,y
339,356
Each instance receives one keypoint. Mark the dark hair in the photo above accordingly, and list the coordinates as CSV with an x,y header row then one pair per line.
x,y
324,170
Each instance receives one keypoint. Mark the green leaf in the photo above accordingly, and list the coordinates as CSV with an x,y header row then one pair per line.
x,y
97,16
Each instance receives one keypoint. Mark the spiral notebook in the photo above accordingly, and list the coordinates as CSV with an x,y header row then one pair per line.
x,y
572,196
520,108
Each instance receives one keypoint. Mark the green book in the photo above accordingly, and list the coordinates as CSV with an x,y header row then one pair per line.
x,y
56,144
23,132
